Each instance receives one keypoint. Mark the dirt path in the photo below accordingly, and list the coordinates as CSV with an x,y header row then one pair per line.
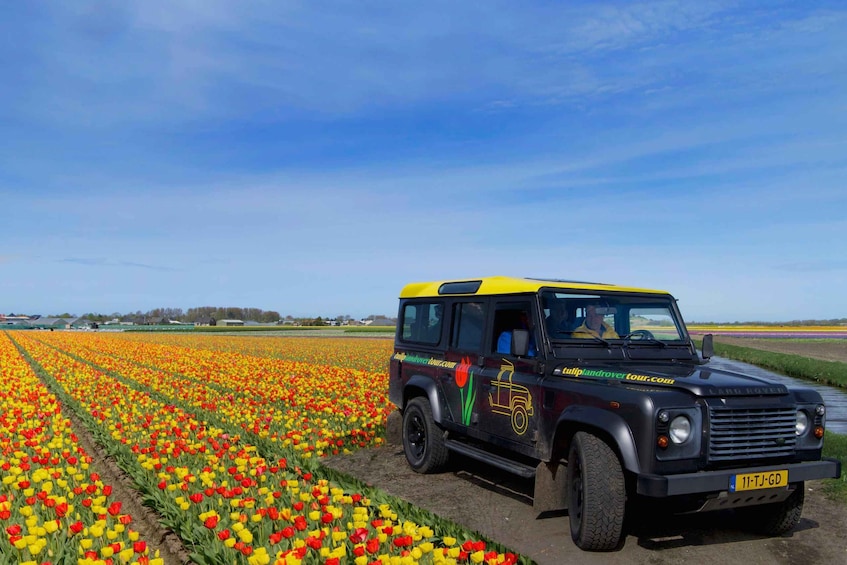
x,y
144,520
499,506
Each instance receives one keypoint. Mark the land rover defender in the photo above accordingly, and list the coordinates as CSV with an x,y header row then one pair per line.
x,y
598,392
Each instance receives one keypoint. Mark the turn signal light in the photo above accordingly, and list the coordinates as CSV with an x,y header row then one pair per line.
x,y
662,441
819,432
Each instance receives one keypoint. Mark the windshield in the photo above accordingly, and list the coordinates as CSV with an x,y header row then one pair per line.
x,y
631,319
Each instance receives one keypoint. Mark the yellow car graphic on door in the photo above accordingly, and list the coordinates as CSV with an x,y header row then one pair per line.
x,y
511,399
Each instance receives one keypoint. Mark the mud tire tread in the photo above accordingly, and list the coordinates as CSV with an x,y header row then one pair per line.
x,y
597,494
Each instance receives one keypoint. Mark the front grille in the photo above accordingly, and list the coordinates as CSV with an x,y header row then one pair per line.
x,y
751,433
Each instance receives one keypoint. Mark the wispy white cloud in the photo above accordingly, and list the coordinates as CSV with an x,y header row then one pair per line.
x,y
179,149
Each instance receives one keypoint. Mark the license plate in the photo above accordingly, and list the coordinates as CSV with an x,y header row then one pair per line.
x,y
755,481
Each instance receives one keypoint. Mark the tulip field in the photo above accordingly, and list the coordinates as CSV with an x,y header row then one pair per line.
x,y
780,332
222,436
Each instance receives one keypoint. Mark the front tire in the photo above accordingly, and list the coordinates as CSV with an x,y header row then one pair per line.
x,y
774,519
423,440
596,494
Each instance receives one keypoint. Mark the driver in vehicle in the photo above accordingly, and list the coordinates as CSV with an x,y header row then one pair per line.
x,y
594,326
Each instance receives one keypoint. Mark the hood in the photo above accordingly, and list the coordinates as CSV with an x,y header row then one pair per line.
x,y
699,380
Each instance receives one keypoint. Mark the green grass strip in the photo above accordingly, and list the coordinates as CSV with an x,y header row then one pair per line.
x,y
833,373
835,445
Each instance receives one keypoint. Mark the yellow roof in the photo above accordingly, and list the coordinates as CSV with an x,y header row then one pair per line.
x,y
512,285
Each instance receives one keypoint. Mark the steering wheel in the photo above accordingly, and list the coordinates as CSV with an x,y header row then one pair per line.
x,y
640,334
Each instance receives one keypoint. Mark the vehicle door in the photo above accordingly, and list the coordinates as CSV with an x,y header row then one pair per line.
x,y
509,384
459,378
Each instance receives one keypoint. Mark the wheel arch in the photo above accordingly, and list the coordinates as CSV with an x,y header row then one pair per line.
x,y
608,426
420,385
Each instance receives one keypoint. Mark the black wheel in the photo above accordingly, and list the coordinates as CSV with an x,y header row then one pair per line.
x,y
423,440
774,519
596,494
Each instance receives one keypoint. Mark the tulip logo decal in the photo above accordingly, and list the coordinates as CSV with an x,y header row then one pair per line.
x,y
464,376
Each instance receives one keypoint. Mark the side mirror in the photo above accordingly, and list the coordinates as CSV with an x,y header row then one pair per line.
x,y
708,348
520,343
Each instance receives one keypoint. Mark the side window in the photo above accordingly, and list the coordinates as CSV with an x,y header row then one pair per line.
x,y
468,323
422,322
509,317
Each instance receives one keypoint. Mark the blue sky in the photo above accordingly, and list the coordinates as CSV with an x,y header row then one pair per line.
x,y
312,158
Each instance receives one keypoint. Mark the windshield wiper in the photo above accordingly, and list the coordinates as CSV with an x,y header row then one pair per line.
x,y
600,339
642,338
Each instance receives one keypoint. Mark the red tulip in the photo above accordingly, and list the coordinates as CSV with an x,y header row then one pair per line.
x,y
462,370
359,535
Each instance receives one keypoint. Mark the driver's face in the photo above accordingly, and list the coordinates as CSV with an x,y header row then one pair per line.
x,y
592,317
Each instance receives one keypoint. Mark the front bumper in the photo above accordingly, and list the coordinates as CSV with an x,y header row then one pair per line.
x,y
716,481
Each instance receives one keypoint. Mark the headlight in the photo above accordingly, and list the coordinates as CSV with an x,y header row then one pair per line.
x,y
680,429
802,423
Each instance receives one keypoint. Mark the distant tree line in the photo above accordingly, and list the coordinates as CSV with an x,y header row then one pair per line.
x,y
191,316
204,313
231,313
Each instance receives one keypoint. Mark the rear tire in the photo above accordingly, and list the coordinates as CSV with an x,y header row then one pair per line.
x,y
774,519
423,440
596,494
